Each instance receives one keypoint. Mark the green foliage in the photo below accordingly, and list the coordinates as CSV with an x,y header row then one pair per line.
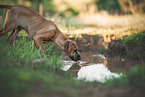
x,y
8,1
25,52
135,78
112,6
10,82
108,5
2,17
131,47
19,76
68,22
49,7
135,39
72,11
118,82
135,45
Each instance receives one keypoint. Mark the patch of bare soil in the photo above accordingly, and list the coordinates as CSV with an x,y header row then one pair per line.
x,y
97,91
91,43
115,92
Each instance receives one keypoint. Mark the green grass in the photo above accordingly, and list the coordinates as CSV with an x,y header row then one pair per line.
x,y
131,47
134,78
20,76
67,23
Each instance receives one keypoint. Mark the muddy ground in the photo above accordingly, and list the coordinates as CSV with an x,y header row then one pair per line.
x,y
88,46
96,91
91,45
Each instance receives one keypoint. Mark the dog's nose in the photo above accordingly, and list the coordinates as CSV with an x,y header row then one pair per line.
x,y
78,57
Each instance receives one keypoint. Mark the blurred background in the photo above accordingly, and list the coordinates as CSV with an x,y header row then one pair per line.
x,y
115,28
107,18
75,8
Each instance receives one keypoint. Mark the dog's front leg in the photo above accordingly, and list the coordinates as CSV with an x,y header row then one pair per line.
x,y
44,34
13,35
39,43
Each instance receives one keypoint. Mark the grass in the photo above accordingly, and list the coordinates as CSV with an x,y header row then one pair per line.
x,y
131,47
108,26
20,76
134,78
24,53
17,69
137,72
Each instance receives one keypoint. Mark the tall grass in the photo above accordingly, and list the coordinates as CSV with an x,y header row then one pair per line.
x,y
29,51
19,75
25,52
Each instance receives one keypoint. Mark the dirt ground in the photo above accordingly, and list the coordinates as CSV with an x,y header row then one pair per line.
x,y
117,92
85,44
96,91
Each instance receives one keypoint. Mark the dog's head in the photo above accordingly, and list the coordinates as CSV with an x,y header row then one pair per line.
x,y
71,50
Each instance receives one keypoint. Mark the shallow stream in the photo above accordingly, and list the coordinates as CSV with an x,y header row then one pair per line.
x,y
96,67
92,67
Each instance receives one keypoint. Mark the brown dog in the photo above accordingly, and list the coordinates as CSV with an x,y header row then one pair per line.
x,y
38,28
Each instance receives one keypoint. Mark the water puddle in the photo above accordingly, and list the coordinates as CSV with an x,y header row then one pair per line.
x,y
96,72
90,70
96,67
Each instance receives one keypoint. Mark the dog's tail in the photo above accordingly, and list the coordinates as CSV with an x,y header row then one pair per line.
x,y
5,6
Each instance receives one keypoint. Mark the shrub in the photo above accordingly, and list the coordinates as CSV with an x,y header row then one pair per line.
x,y
131,47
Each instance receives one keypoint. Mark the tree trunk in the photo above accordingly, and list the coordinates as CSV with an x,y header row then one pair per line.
x,y
41,8
131,7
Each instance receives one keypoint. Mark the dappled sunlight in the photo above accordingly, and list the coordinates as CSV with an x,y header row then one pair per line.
x,y
28,3
113,21
107,26
103,43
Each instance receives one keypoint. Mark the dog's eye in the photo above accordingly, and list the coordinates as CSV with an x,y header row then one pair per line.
x,y
75,50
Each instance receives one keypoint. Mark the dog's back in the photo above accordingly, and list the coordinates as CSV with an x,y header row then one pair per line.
x,y
22,9
25,17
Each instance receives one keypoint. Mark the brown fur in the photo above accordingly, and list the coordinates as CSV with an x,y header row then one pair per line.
x,y
37,27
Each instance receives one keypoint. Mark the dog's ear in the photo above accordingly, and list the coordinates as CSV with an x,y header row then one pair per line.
x,y
66,46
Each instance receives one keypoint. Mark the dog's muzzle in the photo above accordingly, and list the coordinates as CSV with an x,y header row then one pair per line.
x,y
75,57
